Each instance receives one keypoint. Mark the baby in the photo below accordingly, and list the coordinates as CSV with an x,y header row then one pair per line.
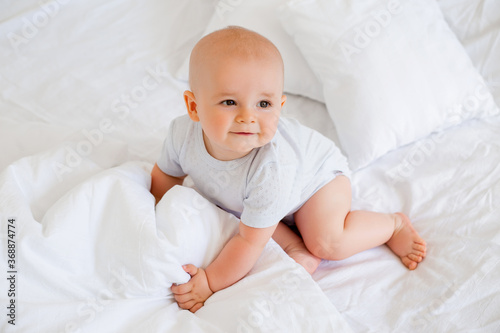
x,y
268,171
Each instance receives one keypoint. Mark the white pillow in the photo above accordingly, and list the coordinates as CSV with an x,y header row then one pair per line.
x,y
261,16
391,72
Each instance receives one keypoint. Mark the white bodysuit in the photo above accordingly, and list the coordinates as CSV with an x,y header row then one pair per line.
x,y
267,185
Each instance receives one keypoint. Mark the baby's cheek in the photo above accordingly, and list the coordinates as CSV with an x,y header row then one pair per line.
x,y
267,134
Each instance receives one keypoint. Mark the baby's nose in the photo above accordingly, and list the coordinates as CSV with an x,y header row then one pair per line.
x,y
246,115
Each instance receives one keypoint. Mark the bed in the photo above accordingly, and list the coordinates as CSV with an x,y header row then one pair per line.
x,y
407,89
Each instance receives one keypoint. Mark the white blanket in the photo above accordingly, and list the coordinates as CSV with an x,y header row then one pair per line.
x,y
92,255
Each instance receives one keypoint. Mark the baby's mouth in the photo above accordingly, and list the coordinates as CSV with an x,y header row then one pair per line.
x,y
244,133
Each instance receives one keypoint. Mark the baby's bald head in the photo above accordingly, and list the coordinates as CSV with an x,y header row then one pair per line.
x,y
233,42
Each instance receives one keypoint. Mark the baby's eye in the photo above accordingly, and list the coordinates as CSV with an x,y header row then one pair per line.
x,y
264,104
229,102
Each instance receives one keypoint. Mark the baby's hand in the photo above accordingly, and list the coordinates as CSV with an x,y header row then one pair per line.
x,y
193,294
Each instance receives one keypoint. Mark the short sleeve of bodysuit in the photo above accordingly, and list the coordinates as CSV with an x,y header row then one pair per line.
x,y
169,161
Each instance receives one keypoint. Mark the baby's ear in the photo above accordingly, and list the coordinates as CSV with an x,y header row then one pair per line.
x,y
191,105
283,100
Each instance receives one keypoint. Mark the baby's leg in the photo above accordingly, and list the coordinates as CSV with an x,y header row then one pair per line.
x,y
294,246
331,231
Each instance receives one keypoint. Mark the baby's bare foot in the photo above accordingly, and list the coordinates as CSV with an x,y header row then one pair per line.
x,y
305,258
406,243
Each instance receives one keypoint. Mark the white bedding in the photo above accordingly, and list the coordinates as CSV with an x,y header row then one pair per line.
x,y
86,93
97,256
452,193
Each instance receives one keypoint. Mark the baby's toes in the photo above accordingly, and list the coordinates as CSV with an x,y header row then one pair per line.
x,y
411,264
419,249
415,257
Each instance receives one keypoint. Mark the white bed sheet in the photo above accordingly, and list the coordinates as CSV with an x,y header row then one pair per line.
x,y
450,188
90,88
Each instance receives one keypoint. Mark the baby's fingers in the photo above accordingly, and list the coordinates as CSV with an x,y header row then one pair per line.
x,y
183,298
196,307
187,305
190,269
181,289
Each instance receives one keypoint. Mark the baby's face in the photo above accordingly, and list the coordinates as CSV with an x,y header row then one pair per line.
x,y
238,102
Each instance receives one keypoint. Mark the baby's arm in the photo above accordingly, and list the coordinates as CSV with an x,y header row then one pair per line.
x,y
238,256
233,263
161,182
